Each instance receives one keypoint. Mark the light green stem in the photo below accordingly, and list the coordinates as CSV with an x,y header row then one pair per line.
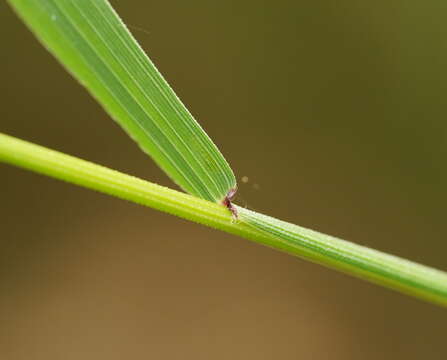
x,y
387,270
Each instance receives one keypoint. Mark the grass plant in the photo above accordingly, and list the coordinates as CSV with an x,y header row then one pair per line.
x,y
94,45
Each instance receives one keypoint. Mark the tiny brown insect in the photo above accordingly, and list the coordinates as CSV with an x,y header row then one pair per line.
x,y
227,202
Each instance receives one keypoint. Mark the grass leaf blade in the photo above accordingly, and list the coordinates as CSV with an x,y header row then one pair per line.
x,y
91,41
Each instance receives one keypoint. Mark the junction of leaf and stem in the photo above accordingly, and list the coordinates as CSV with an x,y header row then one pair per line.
x,y
227,202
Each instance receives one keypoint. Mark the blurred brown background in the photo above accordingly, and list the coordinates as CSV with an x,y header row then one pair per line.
x,y
335,111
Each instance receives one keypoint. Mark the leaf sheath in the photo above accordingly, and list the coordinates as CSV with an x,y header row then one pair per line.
x,y
387,270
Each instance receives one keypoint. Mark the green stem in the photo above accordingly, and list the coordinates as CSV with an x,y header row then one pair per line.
x,y
387,270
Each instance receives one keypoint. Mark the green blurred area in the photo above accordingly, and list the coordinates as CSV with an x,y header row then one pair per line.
x,y
334,111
